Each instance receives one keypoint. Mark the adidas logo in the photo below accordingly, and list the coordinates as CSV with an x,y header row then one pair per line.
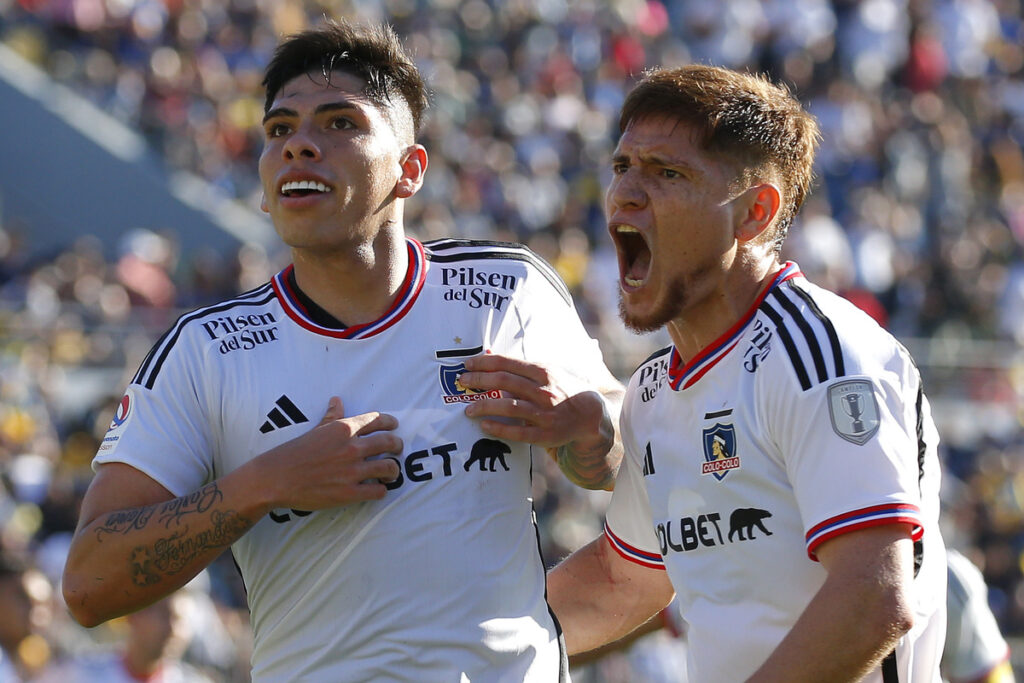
x,y
648,461
284,414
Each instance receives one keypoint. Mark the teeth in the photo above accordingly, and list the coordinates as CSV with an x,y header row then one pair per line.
x,y
633,282
304,185
626,228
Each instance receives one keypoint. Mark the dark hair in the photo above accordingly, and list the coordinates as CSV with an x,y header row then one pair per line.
x,y
758,126
373,53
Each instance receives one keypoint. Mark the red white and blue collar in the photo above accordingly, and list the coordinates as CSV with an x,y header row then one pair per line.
x,y
682,376
407,295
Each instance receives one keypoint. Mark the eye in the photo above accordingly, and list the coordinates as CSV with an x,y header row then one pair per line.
x,y
341,123
620,167
671,173
276,130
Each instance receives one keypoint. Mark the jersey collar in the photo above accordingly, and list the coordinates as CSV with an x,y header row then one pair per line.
x,y
681,375
406,297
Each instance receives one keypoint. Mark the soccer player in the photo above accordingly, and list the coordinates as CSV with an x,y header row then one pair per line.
x,y
358,429
975,649
780,472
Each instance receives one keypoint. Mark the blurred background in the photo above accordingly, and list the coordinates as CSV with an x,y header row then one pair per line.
x,y
129,134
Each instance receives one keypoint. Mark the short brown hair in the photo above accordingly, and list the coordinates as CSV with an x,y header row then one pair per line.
x,y
758,126
374,53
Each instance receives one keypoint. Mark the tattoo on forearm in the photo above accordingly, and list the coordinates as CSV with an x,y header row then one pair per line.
x,y
170,555
195,503
586,471
149,564
171,512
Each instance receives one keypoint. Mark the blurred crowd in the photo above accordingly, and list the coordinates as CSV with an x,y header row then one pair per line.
x,y
917,215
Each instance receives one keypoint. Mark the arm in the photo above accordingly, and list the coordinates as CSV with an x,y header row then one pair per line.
x,y
599,596
856,617
577,425
136,543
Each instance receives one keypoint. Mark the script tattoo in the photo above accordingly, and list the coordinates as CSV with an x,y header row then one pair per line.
x,y
194,503
172,554
171,512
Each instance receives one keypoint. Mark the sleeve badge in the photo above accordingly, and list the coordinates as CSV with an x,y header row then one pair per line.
x,y
854,410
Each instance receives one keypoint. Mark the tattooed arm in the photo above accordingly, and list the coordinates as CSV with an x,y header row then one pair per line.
x,y
136,543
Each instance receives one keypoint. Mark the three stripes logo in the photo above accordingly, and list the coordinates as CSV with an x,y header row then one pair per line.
x,y
648,461
284,414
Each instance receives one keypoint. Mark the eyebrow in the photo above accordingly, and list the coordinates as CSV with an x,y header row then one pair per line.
x,y
657,160
285,112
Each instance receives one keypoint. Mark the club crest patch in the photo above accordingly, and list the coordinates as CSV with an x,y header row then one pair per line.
x,y
853,408
455,392
719,451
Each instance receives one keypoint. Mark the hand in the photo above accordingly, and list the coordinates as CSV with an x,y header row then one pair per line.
x,y
334,463
541,406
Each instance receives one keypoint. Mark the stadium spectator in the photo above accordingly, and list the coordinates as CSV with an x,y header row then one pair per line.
x,y
155,640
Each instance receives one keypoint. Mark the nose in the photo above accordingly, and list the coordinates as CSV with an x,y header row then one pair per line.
x,y
301,143
626,191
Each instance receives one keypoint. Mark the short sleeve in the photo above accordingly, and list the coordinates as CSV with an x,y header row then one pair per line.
x,y
160,427
628,521
851,451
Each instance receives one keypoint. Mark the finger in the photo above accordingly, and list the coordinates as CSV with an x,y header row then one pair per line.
x,y
371,489
384,470
367,423
512,407
493,362
378,444
502,381
335,410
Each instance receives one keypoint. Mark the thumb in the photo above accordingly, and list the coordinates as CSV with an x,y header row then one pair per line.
x,y
335,411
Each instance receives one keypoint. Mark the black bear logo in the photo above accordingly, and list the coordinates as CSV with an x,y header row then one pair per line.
x,y
745,519
488,452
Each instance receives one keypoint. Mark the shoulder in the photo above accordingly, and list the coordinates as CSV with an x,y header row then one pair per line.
x,y
648,378
459,262
209,324
821,337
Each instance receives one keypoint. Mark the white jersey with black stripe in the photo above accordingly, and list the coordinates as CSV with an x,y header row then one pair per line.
x,y
440,580
804,421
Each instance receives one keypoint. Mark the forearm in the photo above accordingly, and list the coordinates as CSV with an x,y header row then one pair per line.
x,y
598,600
126,559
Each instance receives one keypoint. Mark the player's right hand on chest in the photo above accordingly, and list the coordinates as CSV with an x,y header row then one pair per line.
x,y
337,462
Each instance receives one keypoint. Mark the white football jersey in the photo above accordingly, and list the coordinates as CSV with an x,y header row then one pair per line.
x,y
442,580
974,644
803,421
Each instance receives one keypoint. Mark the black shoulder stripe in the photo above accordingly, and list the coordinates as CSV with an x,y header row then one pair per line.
x,y
830,330
656,354
146,376
453,243
520,254
787,342
809,336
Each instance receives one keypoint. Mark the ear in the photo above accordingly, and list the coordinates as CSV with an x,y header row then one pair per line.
x,y
758,207
414,166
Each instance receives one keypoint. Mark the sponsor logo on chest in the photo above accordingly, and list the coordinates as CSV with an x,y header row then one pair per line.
x,y
242,332
477,288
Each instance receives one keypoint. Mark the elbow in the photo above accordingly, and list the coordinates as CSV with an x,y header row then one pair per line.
x,y
79,606
895,618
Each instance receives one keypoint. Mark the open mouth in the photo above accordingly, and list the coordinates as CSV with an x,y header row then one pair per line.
x,y
634,255
303,188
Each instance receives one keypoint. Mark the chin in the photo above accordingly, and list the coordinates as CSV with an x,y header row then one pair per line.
x,y
662,312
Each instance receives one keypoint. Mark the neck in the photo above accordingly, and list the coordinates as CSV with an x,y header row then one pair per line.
x,y
358,284
699,326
